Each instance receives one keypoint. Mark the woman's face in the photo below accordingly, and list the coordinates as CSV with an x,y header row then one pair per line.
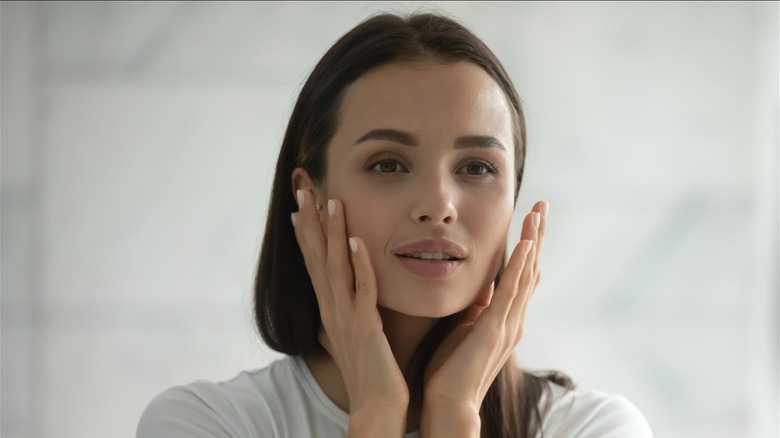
x,y
423,162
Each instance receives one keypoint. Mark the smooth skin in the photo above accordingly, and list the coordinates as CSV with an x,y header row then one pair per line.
x,y
373,311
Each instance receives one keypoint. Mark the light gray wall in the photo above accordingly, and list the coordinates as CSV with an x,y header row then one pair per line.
x,y
138,142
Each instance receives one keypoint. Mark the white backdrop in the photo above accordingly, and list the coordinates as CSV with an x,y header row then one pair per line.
x,y
138,142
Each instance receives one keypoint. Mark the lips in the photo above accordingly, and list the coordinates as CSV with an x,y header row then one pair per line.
x,y
420,248
431,258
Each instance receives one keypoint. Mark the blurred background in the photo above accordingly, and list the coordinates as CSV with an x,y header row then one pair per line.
x,y
138,146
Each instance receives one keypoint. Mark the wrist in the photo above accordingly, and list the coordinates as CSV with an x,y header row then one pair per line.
x,y
377,422
450,420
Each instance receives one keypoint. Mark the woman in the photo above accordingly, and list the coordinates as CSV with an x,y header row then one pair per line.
x,y
383,272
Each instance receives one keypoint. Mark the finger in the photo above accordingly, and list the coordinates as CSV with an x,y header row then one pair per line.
x,y
532,230
365,279
312,243
531,225
471,314
516,316
507,288
543,208
537,277
339,267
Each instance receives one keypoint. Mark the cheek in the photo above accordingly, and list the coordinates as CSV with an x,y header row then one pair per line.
x,y
490,227
369,218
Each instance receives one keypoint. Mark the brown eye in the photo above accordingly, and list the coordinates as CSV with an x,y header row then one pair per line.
x,y
387,166
478,168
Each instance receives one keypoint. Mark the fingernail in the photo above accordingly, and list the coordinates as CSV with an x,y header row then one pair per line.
x,y
353,244
300,197
536,219
545,209
292,218
527,246
331,207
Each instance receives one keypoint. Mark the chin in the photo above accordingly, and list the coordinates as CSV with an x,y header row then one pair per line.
x,y
429,305
427,298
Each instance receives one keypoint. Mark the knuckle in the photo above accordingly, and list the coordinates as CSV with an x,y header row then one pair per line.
x,y
360,284
311,257
525,277
334,267
512,292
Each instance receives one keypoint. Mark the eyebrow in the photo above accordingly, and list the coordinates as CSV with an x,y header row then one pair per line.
x,y
406,139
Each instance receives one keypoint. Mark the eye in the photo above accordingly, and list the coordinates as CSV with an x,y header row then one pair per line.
x,y
387,166
478,168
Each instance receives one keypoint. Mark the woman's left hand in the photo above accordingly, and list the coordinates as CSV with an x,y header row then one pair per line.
x,y
469,359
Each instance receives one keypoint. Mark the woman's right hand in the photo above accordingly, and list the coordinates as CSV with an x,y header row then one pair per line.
x,y
351,326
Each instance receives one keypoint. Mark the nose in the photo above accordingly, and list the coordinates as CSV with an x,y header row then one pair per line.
x,y
435,202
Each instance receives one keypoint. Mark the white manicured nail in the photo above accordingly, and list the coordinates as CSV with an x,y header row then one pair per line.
x,y
300,198
536,220
545,209
292,218
331,207
353,244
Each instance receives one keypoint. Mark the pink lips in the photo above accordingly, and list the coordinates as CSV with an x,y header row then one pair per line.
x,y
430,267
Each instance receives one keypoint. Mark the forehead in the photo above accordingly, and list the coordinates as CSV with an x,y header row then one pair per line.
x,y
429,99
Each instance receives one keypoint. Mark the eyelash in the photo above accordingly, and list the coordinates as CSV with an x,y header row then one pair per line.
x,y
489,167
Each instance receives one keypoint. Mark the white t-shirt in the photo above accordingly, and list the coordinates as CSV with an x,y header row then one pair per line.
x,y
283,400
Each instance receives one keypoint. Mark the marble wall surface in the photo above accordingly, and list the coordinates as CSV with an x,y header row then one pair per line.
x,y
138,145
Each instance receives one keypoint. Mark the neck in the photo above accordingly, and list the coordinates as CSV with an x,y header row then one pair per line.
x,y
404,333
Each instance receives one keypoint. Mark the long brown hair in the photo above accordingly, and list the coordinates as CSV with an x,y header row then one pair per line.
x,y
286,309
